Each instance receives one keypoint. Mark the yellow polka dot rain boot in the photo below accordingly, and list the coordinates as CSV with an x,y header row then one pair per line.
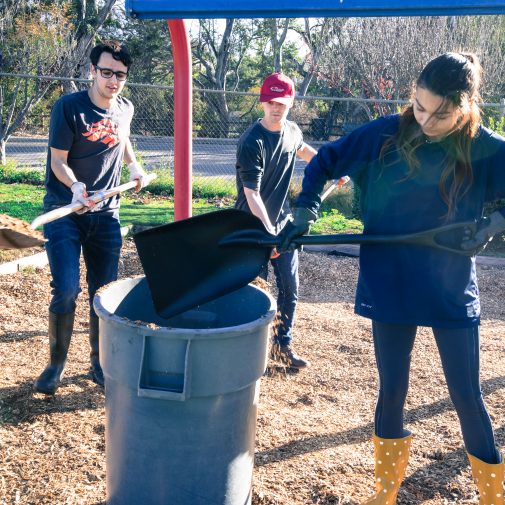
x,y
489,480
391,458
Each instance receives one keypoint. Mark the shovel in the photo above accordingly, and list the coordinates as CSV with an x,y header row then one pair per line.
x,y
195,260
17,234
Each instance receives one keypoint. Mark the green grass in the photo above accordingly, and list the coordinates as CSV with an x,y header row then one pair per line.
x,y
155,205
202,187
24,201
22,192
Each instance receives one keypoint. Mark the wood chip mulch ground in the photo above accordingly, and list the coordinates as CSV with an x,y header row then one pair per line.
x,y
313,429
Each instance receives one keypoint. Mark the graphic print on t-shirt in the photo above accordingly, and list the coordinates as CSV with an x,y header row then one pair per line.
x,y
104,131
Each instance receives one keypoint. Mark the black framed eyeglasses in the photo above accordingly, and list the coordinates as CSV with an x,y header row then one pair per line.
x,y
107,73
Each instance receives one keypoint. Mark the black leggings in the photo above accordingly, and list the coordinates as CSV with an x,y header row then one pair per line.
x,y
459,352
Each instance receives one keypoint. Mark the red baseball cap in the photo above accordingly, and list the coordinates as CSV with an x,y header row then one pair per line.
x,y
277,87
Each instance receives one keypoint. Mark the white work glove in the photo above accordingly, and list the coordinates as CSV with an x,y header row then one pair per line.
x,y
137,173
80,195
487,227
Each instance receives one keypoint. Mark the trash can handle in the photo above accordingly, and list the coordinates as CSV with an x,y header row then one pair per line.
x,y
163,385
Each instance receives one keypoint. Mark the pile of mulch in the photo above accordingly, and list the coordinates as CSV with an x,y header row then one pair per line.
x,y
313,429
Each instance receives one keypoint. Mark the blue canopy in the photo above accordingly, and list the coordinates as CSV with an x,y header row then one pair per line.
x,y
194,9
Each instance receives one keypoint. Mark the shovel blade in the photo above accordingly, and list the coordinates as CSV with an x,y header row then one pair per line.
x,y
15,240
17,234
185,265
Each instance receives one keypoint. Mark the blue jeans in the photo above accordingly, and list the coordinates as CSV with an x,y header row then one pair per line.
x,y
286,276
459,353
99,236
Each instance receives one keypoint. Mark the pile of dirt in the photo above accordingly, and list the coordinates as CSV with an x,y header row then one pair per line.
x,y
314,427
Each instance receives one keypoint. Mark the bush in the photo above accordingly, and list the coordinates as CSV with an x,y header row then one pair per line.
x,y
497,125
10,173
341,199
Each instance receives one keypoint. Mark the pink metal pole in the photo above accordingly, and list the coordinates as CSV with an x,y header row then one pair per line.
x,y
183,118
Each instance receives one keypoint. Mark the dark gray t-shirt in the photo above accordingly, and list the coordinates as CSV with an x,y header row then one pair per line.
x,y
265,163
95,141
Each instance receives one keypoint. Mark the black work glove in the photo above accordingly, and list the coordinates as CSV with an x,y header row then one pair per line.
x,y
486,229
302,219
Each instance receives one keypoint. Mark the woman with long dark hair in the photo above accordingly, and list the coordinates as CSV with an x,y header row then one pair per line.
x,y
431,165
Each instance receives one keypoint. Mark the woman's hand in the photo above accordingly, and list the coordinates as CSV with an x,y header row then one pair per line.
x,y
487,228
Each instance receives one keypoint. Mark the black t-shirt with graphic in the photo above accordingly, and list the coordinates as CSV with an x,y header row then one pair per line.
x,y
95,141
265,163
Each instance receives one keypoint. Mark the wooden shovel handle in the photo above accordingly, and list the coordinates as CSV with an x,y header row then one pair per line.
x,y
97,197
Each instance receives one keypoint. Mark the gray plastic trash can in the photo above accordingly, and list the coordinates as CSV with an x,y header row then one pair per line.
x,y
181,395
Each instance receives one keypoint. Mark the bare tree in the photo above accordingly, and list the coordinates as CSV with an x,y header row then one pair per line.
x,y
317,35
380,57
484,35
88,17
277,31
41,38
218,54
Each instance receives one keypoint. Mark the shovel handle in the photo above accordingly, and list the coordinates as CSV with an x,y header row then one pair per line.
x,y
336,184
428,238
97,197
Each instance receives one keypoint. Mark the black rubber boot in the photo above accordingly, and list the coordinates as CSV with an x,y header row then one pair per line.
x,y
286,354
60,333
95,369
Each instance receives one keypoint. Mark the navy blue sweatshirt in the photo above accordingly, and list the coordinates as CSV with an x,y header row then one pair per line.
x,y
401,283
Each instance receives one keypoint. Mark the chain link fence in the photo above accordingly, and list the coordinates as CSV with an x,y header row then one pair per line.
x,y
219,118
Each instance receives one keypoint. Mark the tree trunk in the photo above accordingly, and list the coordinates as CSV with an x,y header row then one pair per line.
x,y
3,153
219,104
277,41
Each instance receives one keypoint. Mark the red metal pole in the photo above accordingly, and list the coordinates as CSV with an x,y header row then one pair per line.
x,y
183,118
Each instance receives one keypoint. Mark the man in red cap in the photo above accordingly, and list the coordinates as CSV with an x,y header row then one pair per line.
x,y
266,155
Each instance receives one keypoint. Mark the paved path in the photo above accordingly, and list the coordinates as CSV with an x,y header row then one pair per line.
x,y
211,157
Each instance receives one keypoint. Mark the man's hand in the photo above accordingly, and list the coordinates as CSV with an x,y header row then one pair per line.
x,y
137,173
302,219
486,229
80,195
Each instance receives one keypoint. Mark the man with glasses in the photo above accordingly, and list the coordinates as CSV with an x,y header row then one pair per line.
x,y
88,144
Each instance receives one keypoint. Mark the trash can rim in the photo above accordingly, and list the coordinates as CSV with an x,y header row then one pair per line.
x,y
152,328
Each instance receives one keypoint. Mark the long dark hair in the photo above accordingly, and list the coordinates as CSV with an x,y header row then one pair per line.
x,y
456,78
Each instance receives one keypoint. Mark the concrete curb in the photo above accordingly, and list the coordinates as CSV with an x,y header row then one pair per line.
x,y
38,260
353,250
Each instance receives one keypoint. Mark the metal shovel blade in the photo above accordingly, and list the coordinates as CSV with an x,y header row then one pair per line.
x,y
17,234
185,266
